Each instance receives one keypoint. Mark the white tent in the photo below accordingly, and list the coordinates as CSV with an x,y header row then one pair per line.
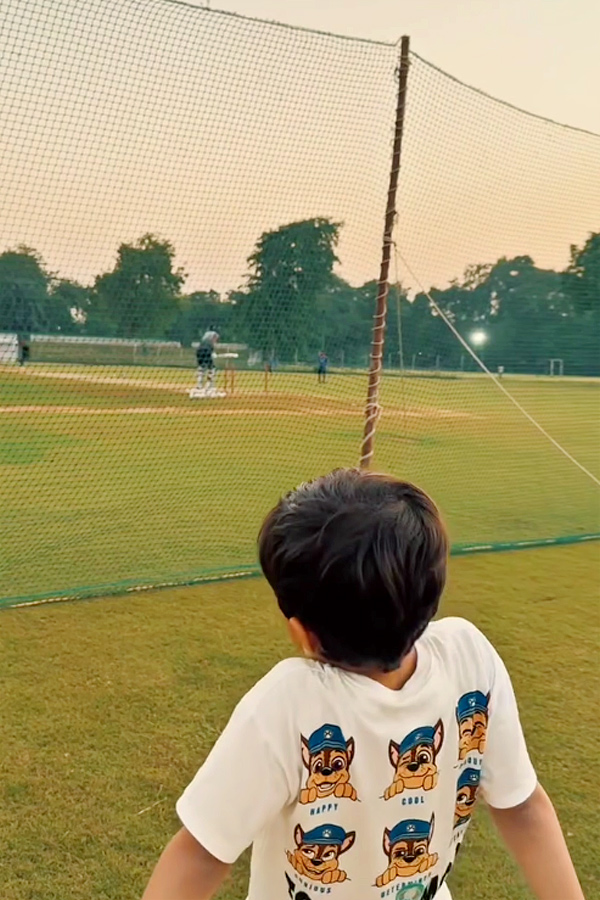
x,y
9,349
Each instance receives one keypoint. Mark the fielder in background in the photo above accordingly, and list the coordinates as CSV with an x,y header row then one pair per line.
x,y
322,367
205,355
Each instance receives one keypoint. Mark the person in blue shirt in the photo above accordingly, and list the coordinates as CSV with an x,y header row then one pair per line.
x,y
322,367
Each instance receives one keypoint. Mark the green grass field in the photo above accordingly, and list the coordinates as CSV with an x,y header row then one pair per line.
x,y
109,706
113,474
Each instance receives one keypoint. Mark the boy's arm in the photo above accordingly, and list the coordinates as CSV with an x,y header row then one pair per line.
x,y
241,787
532,833
186,871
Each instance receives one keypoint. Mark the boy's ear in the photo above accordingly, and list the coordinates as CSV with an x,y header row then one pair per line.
x,y
304,639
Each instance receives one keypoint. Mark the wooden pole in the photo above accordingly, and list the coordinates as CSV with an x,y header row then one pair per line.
x,y
372,407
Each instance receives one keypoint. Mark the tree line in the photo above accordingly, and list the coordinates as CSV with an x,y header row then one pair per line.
x,y
293,304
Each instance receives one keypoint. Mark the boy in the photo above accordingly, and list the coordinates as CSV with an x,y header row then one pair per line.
x,y
354,772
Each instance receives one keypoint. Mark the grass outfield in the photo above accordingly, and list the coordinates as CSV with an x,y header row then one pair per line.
x,y
110,706
109,474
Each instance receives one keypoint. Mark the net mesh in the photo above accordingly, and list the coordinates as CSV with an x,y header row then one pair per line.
x,y
497,210
174,170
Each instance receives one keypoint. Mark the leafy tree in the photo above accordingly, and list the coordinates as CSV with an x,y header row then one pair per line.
x,y
69,306
358,329
341,325
24,291
530,309
582,278
526,312
426,338
468,302
293,305
139,297
288,268
581,283
200,311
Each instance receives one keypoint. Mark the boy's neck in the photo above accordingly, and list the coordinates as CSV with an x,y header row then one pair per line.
x,y
397,679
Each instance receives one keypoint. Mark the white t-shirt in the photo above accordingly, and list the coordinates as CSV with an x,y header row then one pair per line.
x,y
349,789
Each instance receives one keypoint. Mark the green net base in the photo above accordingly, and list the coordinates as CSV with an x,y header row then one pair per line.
x,y
216,576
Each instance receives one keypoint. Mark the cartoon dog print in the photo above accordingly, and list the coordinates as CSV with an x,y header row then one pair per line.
x,y
407,849
328,756
414,760
466,796
318,851
472,715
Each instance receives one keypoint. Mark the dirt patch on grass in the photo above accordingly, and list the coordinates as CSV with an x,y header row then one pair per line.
x,y
206,410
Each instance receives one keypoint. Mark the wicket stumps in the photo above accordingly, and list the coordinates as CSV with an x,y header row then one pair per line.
x,y
229,373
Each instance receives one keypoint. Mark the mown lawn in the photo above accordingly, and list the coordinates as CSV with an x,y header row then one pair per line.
x,y
109,706
111,473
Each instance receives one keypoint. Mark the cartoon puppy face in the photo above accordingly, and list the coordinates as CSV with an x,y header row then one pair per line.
x,y
328,756
414,760
406,846
466,796
318,851
472,714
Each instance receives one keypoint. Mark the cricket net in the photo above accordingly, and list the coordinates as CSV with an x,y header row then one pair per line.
x,y
493,340
174,170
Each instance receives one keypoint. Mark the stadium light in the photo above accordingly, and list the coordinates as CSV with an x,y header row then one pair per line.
x,y
478,338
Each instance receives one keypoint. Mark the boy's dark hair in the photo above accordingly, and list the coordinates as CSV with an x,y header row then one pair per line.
x,y
360,560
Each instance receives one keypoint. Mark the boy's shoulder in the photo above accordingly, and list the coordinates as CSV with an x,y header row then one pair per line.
x,y
451,628
283,673
460,647
459,644
280,682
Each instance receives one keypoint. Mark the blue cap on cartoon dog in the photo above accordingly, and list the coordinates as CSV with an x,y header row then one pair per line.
x,y
469,704
418,737
325,834
410,830
328,737
469,778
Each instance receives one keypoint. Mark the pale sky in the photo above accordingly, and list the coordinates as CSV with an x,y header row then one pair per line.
x,y
542,55
119,117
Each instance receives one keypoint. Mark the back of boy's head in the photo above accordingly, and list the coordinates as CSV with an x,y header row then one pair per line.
x,y
360,560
